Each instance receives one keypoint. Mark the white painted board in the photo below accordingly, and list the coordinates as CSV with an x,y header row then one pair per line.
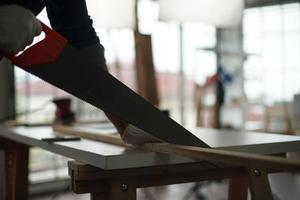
x,y
107,156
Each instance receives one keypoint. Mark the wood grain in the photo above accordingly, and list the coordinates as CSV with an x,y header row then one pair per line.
x,y
214,155
145,72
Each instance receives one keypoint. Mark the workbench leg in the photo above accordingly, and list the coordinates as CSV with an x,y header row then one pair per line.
x,y
259,185
2,178
99,196
16,172
238,188
123,189
119,189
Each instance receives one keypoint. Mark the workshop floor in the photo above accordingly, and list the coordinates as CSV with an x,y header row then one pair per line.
x,y
284,187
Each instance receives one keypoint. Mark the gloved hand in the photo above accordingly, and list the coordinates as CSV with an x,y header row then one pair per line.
x,y
18,27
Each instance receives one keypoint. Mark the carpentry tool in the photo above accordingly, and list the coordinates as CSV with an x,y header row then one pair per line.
x,y
63,113
58,63
61,139
214,155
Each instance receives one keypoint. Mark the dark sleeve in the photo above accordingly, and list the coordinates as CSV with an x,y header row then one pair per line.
x,y
36,6
70,18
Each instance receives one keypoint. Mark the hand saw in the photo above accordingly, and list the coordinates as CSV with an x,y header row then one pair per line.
x,y
58,63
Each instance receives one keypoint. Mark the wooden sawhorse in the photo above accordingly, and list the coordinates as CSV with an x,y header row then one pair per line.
x,y
16,156
122,184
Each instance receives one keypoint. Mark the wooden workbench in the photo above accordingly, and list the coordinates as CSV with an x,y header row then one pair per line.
x,y
115,168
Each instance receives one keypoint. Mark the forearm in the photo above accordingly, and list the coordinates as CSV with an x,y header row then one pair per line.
x,y
73,22
93,54
70,18
35,6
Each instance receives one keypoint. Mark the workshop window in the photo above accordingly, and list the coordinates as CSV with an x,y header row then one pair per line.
x,y
34,106
34,101
199,57
199,61
34,97
272,70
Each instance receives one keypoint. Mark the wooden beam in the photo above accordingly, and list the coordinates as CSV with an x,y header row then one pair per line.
x,y
238,188
145,70
214,155
16,169
259,185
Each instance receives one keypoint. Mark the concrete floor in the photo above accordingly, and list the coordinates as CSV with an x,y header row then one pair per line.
x,y
284,187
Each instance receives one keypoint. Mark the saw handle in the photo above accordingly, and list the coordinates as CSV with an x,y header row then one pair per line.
x,y
44,52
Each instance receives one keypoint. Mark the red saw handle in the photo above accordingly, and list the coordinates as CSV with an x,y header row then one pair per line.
x,y
44,52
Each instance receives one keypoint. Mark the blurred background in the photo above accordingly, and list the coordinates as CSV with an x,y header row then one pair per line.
x,y
230,64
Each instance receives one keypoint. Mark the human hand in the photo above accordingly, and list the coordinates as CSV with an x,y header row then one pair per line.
x,y
18,27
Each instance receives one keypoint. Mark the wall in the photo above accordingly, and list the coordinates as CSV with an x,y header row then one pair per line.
x,y
7,104
7,94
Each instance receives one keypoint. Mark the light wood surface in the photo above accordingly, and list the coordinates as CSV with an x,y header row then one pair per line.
x,y
16,170
229,157
145,72
250,142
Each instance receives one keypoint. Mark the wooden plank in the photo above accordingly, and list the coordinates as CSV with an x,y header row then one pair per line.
x,y
145,72
88,178
90,134
110,188
123,188
238,188
83,171
240,141
259,184
16,169
229,157
99,154
153,176
99,196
